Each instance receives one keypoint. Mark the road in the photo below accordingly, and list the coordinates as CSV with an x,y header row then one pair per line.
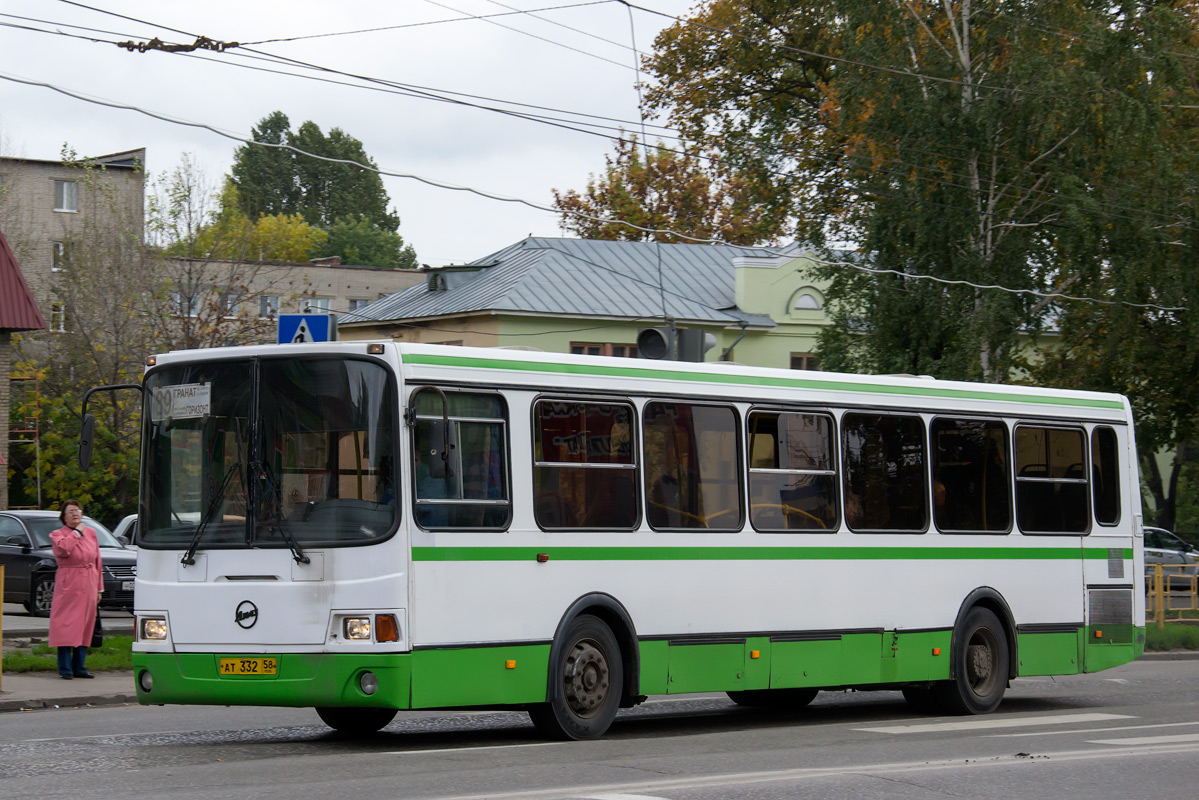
x,y
1131,731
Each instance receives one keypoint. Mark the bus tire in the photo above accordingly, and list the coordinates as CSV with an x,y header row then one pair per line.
x,y
586,680
779,699
980,665
356,721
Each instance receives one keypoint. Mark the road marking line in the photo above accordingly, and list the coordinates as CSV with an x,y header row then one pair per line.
x,y
994,722
744,779
619,797
1090,730
1144,740
471,749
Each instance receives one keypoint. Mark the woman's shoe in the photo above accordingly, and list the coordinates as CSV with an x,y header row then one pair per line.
x,y
84,675
65,676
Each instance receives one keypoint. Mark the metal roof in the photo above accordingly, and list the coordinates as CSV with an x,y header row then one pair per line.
x,y
583,278
18,311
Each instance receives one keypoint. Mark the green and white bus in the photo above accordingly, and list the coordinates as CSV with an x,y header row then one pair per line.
x,y
371,527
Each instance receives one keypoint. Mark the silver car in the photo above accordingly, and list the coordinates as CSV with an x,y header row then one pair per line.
x,y
1179,557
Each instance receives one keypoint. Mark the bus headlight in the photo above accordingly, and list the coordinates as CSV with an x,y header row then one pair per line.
x,y
357,627
153,629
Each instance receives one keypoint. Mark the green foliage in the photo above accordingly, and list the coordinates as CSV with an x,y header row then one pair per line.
x,y
1174,636
362,243
331,193
115,654
667,190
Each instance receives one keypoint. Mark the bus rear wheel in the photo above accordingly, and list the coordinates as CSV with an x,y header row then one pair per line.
x,y
356,721
585,684
781,699
980,666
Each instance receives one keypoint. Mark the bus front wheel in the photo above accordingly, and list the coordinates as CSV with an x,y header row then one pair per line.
x,y
356,721
586,680
980,665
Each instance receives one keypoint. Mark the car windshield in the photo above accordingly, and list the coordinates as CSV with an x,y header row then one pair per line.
x,y
41,529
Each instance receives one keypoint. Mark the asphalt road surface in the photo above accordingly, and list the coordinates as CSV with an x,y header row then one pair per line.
x,y
1130,731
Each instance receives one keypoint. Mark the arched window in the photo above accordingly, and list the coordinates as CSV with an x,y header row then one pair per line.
x,y
807,298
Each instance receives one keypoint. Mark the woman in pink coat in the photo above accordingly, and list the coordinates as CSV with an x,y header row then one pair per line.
x,y
78,586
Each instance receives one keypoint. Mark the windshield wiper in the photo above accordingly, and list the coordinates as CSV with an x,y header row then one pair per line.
x,y
260,469
189,557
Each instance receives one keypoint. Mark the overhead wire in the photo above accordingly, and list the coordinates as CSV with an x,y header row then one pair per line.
x,y
594,218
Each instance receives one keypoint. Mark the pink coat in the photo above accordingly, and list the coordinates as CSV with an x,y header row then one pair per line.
x,y
79,577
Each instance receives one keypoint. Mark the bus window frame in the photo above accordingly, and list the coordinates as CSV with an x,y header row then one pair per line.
x,y
1086,480
834,456
1010,450
508,501
1095,428
635,467
739,472
926,470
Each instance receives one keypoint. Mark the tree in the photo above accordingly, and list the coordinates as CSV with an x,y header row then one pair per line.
x,y
667,190
329,192
359,242
940,138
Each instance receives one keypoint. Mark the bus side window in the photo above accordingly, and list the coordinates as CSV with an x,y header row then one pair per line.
x,y
886,484
1051,484
692,468
473,492
1105,475
584,473
971,476
792,477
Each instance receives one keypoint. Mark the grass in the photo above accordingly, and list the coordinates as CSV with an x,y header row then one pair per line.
x,y
1174,636
117,653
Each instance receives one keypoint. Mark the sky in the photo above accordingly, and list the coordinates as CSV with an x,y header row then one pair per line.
x,y
564,55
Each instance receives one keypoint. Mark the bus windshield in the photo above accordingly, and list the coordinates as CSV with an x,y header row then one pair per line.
x,y
263,452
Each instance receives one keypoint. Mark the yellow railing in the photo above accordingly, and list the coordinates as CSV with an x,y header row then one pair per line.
x,y
1172,589
1,628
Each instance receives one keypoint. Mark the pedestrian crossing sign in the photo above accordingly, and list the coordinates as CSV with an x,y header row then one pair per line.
x,y
307,328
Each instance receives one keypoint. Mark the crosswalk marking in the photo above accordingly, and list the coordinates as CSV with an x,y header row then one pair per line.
x,y
1142,740
989,723
1025,734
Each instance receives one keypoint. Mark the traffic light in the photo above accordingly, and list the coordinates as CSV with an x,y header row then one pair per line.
x,y
692,343
656,343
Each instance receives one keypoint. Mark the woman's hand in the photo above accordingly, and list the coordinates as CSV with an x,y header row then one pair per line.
x,y
99,597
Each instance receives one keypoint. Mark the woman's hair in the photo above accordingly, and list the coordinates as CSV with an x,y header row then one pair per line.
x,y
62,510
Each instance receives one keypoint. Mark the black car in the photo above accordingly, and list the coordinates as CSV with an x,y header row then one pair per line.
x,y
29,564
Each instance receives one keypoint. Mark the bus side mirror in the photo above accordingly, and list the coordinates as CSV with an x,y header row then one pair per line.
x,y
85,441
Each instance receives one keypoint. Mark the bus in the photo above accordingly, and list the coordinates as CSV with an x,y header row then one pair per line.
x,y
369,527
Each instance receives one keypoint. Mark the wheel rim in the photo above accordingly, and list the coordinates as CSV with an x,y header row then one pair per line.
x,y
982,656
45,594
586,678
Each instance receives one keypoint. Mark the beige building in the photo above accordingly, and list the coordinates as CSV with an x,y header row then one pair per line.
x,y
44,204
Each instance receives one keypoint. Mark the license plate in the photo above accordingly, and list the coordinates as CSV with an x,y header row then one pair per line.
x,y
248,666
126,586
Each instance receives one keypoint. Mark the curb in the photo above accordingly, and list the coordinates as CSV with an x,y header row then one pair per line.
x,y
1170,655
74,702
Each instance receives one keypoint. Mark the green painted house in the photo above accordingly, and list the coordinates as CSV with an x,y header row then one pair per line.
x,y
590,296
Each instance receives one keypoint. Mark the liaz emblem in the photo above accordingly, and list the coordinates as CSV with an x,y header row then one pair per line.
x,y
247,614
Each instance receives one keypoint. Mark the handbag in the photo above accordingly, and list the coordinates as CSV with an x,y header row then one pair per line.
x,y
97,633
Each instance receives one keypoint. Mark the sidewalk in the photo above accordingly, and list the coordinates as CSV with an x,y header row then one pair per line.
x,y
20,691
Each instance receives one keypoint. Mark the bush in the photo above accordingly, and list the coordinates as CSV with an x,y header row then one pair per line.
x,y
1174,636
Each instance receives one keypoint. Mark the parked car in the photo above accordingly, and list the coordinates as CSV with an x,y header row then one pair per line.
x,y
1163,547
29,564
126,531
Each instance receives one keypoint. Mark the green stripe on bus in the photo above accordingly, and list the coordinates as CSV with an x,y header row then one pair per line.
x,y
474,362
758,553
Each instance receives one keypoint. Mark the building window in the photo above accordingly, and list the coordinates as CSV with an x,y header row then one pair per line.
x,y
66,196
58,260
357,303
805,361
268,306
185,304
58,318
604,349
230,304
318,305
